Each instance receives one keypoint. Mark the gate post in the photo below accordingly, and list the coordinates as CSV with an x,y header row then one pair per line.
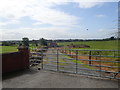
x,y
57,60
25,51
76,61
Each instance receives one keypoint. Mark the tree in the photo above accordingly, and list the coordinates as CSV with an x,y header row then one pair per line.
x,y
7,43
34,42
43,42
25,41
112,38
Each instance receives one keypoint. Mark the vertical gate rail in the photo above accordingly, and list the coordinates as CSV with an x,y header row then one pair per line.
x,y
57,59
42,57
76,61
100,65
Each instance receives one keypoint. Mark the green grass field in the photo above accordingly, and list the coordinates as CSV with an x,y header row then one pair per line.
x,y
101,45
111,45
7,49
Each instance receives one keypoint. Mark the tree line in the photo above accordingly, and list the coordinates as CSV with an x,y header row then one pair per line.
x,y
44,42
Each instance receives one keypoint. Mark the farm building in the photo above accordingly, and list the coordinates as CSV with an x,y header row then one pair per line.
x,y
53,44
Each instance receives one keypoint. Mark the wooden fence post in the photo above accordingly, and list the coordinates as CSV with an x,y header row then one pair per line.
x,y
90,58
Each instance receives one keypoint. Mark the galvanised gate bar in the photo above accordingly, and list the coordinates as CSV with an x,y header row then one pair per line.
x,y
97,63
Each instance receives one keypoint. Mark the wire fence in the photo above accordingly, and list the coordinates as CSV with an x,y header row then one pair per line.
x,y
100,63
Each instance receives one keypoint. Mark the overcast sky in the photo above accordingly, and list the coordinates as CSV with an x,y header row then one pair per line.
x,y
58,19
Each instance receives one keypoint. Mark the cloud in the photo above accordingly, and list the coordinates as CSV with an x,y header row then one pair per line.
x,y
36,33
40,11
2,24
53,33
107,32
89,4
100,16
43,12
96,0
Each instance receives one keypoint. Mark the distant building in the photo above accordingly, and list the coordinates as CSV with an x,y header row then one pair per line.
x,y
78,46
53,44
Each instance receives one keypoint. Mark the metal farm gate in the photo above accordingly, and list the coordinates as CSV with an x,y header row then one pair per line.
x,y
97,63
